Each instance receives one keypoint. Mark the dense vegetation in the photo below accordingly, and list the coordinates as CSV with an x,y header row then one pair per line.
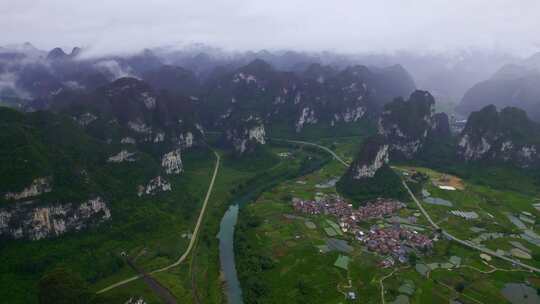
x,y
44,144
61,286
251,260
509,124
385,183
317,132
409,114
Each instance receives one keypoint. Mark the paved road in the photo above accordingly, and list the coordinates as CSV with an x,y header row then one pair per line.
x,y
466,243
199,220
191,242
162,291
318,146
445,233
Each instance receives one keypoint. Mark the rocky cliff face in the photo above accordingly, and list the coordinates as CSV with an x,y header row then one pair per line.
x,y
172,162
245,135
307,117
186,140
369,176
37,187
26,220
122,156
372,157
154,186
407,124
130,111
441,126
507,136
320,95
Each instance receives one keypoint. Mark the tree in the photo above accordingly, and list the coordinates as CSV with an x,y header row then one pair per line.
x,y
412,258
62,286
460,287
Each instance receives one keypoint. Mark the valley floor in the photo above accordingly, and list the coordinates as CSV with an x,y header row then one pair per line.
x,y
283,256
302,270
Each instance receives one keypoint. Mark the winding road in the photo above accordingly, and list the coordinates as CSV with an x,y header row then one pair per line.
x,y
466,243
191,242
336,157
424,212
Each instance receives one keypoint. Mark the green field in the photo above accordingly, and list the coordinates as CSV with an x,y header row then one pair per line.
x,y
280,258
296,271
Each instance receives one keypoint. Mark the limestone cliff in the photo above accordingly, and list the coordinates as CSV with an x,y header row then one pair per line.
x,y
307,116
154,186
319,95
122,156
29,220
372,156
172,162
369,176
407,124
507,136
245,135
37,187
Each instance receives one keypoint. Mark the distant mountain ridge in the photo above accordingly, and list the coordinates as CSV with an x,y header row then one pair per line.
x,y
514,85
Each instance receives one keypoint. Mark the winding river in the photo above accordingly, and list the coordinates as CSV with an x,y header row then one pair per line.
x,y
233,289
226,255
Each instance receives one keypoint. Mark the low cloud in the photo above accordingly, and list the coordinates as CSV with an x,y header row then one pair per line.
x,y
122,26
114,69
8,86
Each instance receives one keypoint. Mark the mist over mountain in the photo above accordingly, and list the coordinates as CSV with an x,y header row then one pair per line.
x,y
27,72
513,85
269,151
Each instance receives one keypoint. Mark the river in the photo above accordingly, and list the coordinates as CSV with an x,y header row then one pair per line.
x,y
233,289
226,255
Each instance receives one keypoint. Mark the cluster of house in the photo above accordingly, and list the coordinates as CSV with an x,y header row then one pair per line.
x,y
395,241
337,206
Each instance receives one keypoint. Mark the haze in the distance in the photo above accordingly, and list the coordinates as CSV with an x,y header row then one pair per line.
x,y
346,25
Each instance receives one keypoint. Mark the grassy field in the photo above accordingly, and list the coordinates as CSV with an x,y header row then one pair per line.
x,y
318,132
297,272
492,206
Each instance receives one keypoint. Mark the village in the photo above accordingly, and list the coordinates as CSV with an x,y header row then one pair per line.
x,y
395,242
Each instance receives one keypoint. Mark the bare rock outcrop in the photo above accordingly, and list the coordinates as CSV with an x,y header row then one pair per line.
x,y
29,220
505,136
37,187
154,186
172,162
122,156
408,124
244,136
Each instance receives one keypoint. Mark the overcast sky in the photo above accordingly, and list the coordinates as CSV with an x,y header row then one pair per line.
x,y
339,25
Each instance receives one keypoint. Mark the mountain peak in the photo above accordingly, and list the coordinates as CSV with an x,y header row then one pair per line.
x,y
56,53
257,65
75,52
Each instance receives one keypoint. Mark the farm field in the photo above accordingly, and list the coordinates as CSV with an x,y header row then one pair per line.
x,y
304,265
